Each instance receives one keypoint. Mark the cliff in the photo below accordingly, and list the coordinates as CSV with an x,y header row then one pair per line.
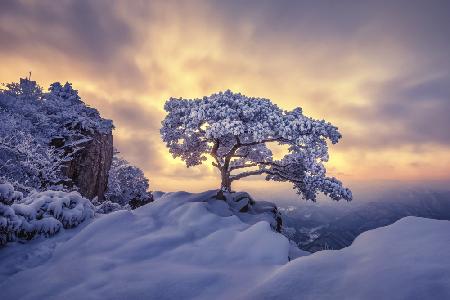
x,y
53,138
91,160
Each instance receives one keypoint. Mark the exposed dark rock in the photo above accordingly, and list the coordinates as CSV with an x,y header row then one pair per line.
x,y
91,160
279,222
57,141
245,207
135,203
220,195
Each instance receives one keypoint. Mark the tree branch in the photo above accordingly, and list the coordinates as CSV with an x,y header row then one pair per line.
x,y
232,152
214,153
246,174
200,129
255,164
262,171
261,142
244,166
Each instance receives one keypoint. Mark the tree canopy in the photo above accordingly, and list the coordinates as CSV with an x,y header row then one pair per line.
x,y
235,131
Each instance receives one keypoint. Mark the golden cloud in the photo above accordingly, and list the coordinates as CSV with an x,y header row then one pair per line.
x,y
188,50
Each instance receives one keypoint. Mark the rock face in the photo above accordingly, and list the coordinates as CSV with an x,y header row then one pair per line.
x,y
90,165
247,209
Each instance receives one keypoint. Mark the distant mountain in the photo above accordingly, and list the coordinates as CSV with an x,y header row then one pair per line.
x,y
321,227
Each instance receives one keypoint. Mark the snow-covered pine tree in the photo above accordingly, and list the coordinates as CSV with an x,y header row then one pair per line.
x,y
235,130
127,184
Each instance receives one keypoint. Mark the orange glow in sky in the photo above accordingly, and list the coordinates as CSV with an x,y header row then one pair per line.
x,y
364,69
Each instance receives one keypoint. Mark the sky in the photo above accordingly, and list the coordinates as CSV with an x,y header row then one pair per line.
x,y
379,70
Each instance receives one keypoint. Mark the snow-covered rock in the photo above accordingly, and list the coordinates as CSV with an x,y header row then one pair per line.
x,y
41,213
107,207
188,246
248,210
53,138
6,193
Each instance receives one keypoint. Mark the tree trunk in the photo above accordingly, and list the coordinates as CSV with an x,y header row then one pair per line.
x,y
225,186
226,183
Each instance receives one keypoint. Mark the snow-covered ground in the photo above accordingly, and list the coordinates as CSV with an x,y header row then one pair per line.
x,y
407,260
181,247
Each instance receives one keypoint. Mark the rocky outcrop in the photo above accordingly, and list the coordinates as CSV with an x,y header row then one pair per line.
x,y
249,210
90,163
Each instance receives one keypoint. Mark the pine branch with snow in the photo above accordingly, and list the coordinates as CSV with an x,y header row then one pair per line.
x,y
236,131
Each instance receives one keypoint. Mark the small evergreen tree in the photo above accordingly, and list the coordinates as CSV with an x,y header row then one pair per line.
x,y
127,184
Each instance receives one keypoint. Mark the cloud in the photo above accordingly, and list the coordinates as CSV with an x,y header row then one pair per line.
x,y
86,35
79,28
141,151
138,139
376,69
401,111
127,114
416,111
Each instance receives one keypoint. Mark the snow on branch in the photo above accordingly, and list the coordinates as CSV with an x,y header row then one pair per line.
x,y
235,129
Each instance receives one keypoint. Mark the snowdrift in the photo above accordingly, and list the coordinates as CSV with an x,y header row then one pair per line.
x,y
409,259
187,246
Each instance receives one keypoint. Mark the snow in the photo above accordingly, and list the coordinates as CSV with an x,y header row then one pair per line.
x,y
235,130
107,207
188,246
40,131
174,246
16,257
407,260
41,213
6,193
126,183
68,208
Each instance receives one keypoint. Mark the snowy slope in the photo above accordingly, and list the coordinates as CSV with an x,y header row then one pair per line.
x,y
407,260
180,247
173,247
